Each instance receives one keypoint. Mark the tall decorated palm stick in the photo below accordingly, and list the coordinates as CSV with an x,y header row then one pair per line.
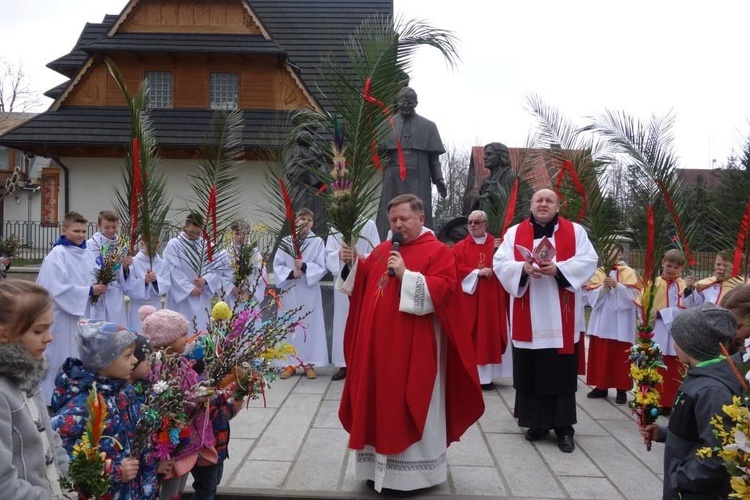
x,y
142,201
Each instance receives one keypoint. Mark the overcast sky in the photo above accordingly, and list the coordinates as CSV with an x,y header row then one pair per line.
x,y
582,56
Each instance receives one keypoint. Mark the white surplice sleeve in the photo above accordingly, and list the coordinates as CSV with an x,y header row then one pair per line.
x,y
333,262
283,264
182,286
415,297
695,299
346,286
469,283
507,269
315,257
579,269
70,295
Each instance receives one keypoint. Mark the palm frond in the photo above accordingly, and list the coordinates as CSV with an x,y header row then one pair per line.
x,y
648,149
217,193
579,175
143,202
364,86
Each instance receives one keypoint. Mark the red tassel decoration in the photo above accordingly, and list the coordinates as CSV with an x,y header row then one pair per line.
x,y
290,218
567,166
211,215
677,222
648,268
135,192
739,246
368,97
510,210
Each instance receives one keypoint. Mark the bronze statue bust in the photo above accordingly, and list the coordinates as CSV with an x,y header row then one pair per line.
x,y
497,160
301,162
493,189
420,141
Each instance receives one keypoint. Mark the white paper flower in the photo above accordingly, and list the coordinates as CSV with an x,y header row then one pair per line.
x,y
160,387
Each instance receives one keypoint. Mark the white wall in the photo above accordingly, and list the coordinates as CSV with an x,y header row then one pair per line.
x,y
92,182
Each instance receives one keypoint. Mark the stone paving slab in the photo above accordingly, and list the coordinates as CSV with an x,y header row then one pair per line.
x,y
295,447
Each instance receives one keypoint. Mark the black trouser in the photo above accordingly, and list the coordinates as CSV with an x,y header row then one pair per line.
x,y
206,479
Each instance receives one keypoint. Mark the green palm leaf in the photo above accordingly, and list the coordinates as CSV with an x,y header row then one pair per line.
x,y
648,149
379,54
216,191
153,202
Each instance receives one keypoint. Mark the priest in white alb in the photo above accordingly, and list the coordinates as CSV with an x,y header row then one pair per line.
x,y
543,282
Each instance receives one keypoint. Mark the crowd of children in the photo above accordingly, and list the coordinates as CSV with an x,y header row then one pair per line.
x,y
57,344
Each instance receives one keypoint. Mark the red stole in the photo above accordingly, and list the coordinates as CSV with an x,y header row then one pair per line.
x,y
565,248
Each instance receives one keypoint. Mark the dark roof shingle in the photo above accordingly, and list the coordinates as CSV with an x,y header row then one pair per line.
x,y
108,127
187,43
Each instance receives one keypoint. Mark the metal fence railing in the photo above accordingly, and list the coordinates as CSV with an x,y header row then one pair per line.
x,y
37,238
703,268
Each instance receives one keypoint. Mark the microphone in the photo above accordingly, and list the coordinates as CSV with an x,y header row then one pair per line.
x,y
396,240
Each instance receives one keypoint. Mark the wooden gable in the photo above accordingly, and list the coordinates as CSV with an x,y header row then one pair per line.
x,y
265,81
180,16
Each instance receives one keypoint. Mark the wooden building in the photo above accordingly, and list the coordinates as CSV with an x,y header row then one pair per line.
x,y
260,56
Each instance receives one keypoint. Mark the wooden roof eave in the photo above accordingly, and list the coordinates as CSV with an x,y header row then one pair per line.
x,y
74,81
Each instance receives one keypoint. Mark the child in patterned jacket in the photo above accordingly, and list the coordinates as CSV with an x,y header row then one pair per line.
x,y
107,360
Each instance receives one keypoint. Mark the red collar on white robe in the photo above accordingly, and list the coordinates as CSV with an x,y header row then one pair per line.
x,y
565,247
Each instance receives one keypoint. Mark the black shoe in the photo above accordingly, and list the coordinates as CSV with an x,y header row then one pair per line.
x,y
339,375
597,393
488,387
536,434
621,398
665,412
370,484
566,444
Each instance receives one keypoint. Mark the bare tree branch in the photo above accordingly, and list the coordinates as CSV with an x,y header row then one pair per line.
x,y
16,93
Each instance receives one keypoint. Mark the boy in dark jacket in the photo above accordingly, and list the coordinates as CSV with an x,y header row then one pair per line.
x,y
708,385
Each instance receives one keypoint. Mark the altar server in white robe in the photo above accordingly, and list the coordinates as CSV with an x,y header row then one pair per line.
x,y
713,288
258,275
298,278
545,317
110,306
148,283
368,240
67,273
187,255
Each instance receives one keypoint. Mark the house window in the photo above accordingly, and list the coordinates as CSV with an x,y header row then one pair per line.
x,y
224,90
159,89
5,157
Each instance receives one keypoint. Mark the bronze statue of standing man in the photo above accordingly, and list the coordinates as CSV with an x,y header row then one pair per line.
x,y
422,148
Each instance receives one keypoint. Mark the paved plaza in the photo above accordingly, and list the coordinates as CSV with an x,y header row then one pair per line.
x,y
295,447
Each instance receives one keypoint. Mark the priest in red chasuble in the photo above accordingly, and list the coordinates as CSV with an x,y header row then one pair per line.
x,y
543,263
411,386
483,301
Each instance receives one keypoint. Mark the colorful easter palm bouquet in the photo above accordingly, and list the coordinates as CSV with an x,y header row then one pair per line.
x,y
645,360
89,466
165,421
109,263
732,431
239,347
244,264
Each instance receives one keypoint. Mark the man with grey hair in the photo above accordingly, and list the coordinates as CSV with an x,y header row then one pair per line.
x,y
422,147
543,263
483,301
